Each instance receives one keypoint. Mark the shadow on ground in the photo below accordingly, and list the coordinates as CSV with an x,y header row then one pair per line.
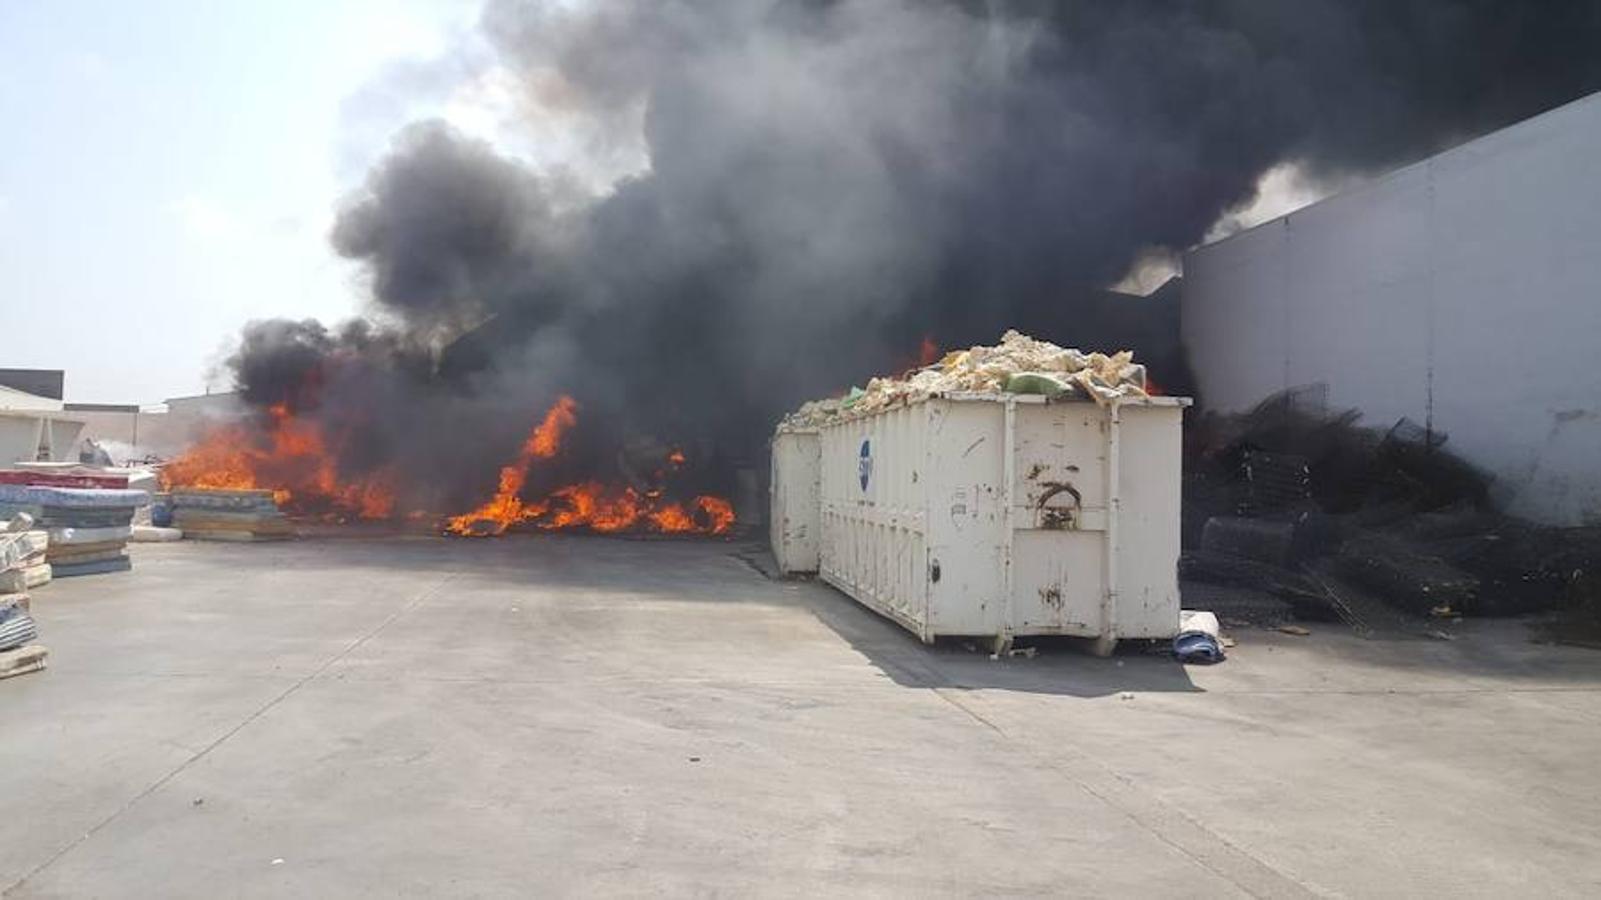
x,y
740,572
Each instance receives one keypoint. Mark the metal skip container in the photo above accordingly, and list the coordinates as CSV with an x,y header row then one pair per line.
x,y
793,496
1004,515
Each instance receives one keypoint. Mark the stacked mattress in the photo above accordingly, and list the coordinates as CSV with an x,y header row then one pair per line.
x,y
226,515
19,654
22,555
88,527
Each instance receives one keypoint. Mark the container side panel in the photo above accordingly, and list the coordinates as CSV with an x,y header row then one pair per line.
x,y
1148,522
1059,516
1061,459
1057,582
913,517
873,545
966,519
795,526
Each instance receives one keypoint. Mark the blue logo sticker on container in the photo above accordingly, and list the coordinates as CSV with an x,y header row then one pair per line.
x,y
864,463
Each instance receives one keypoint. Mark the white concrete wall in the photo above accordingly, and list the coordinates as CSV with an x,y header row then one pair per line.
x,y
1465,289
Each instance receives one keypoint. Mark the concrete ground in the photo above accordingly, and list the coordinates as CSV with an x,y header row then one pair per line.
x,y
537,716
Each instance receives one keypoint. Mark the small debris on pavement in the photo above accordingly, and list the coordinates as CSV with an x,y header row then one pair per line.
x,y
1296,630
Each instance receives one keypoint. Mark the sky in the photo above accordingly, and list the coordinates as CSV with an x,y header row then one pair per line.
x,y
171,170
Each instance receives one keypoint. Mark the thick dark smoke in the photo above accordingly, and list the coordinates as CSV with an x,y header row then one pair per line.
x,y
830,181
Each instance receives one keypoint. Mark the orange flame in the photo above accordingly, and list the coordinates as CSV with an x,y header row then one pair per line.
x,y
928,351
291,460
602,508
546,439
506,508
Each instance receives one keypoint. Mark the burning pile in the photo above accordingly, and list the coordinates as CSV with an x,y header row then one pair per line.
x,y
1019,364
291,458
287,455
228,515
590,504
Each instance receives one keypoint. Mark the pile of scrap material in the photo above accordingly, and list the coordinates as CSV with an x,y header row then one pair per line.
x,y
1019,365
22,554
225,515
88,526
1366,524
19,654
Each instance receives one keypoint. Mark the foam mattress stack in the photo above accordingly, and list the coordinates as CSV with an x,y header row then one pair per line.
x,y
225,515
88,526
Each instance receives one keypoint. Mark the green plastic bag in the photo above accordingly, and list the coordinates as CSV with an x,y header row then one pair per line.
x,y
1035,383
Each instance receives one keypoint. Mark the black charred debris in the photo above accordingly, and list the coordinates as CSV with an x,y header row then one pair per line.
x,y
1293,511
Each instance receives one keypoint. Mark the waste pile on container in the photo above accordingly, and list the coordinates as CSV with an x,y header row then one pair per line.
x,y
1379,526
88,517
214,514
1019,364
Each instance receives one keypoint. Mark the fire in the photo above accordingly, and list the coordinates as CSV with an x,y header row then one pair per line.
x,y
926,354
290,458
506,508
546,438
592,505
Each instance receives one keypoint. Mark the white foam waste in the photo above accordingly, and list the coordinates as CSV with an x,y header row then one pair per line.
x,y
1019,363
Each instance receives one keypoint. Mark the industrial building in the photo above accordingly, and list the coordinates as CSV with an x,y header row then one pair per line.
x,y
36,423
1462,292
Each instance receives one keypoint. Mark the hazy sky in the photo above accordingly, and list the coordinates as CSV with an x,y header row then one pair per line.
x,y
170,171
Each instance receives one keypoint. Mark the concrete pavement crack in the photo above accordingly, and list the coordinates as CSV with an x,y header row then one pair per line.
x,y
161,782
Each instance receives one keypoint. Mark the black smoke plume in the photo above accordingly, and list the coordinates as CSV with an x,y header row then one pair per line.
x,y
828,182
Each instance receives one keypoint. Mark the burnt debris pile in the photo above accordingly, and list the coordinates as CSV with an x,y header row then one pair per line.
x,y
1336,519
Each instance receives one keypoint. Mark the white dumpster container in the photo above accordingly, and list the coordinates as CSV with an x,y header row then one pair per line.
x,y
999,515
793,495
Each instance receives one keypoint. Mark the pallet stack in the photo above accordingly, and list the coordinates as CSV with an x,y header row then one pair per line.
x,y
228,515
